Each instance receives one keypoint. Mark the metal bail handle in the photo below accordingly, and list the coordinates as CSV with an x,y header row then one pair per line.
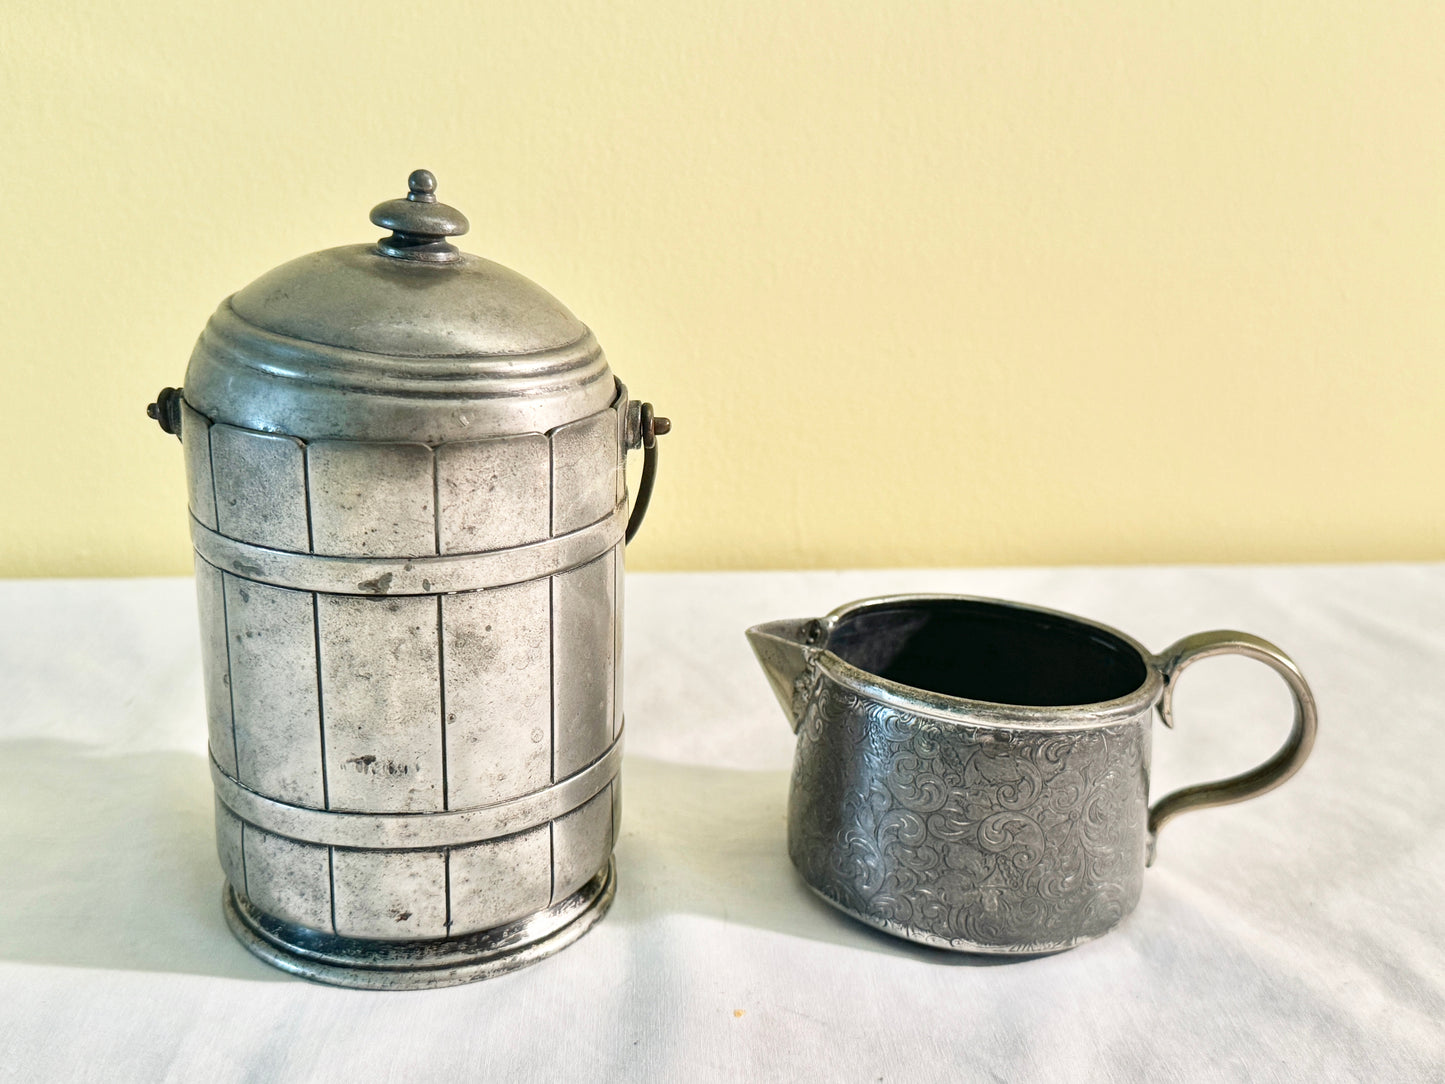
x,y
1273,771
166,411
650,427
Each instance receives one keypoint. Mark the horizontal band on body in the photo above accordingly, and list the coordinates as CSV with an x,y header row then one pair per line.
x,y
433,575
417,831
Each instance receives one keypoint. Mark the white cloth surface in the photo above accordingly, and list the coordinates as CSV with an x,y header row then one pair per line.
x,y
1298,936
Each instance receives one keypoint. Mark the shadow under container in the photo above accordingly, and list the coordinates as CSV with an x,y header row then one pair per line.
x,y
408,503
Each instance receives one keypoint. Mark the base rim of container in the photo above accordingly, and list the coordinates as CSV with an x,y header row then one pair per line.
x,y
419,965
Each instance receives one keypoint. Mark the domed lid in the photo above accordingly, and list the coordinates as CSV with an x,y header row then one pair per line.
x,y
412,294
405,339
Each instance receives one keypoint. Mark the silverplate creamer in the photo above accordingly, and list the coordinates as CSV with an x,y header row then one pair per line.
x,y
408,506
974,774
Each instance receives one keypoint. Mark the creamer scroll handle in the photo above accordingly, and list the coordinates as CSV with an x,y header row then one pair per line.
x,y
1273,771
649,428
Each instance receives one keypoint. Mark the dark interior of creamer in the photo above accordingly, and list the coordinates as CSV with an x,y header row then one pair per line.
x,y
987,651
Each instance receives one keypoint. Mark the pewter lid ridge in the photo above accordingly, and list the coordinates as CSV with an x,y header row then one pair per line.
x,y
355,298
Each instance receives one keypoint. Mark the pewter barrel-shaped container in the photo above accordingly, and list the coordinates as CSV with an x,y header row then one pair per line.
x,y
408,503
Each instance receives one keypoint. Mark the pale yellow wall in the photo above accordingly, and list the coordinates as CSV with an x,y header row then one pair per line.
x,y
920,283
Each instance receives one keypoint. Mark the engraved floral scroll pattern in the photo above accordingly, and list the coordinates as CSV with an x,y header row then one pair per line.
x,y
1014,839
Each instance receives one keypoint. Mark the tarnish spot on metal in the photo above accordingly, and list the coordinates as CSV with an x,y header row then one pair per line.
x,y
368,764
377,586
247,569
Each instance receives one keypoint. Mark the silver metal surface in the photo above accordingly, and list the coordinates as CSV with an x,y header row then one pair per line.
x,y
499,703
454,572
584,611
201,489
407,831
425,964
587,459
577,839
493,494
389,895
275,693
973,774
382,685
1272,772
215,667
405,475
260,484
501,880
288,879
371,499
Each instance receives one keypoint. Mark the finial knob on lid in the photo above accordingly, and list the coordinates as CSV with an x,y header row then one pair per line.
x,y
423,185
419,224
